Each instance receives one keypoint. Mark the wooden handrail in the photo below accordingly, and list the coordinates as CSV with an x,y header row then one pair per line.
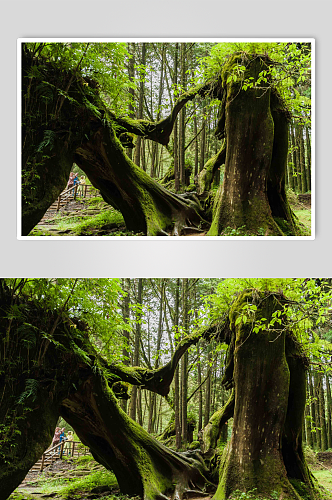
x,y
65,194
59,454
51,449
57,445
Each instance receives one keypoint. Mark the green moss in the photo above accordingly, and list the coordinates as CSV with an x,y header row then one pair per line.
x,y
194,445
71,486
301,489
108,219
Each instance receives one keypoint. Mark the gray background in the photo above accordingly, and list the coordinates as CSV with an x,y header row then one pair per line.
x,y
166,257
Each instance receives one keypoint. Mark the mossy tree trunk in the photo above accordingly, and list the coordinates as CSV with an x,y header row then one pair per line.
x,y
142,465
146,206
34,380
46,374
265,452
65,120
253,193
49,178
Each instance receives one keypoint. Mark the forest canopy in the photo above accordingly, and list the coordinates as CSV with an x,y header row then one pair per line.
x,y
176,385
178,137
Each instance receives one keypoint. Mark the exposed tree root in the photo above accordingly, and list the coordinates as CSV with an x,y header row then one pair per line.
x,y
212,430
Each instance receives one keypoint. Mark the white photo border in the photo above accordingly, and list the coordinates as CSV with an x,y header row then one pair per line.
x,y
20,41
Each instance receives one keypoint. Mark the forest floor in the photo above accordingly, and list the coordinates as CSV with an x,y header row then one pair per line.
x,y
70,479
85,479
94,217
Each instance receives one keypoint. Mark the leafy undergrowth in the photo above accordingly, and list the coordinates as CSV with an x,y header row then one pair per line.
x,y
304,216
70,480
96,219
324,477
241,231
85,479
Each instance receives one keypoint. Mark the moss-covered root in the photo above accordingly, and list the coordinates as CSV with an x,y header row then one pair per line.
x,y
212,430
206,175
142,465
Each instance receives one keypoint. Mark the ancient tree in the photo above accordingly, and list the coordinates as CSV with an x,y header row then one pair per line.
x,y
267,370
66,119
254,123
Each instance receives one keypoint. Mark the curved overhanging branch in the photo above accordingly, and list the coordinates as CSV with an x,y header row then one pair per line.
x,y
159,380
161,131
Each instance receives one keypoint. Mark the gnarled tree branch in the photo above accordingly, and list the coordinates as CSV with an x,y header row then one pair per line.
x,y
161,131
159,380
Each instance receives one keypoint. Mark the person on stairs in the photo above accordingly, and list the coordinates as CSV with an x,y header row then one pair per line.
x,y
69,444
70,182
76,181
62,437
82,185
56,437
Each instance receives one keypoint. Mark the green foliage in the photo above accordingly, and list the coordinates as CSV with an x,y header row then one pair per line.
x,y
68,486
102,62
31,390
289,70
252,495
305,310
241,231
94,301
108,219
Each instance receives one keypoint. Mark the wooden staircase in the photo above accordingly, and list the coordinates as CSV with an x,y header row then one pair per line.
x,y
68,195
53,454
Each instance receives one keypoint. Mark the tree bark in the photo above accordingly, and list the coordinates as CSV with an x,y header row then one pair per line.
x,y
300,141
313,411
138,460
200,393
175,133
177,418
265,451
184,364
131,74
145,205
207,174
308,150
182,119
254,183
126,319
317,410
133,399
321,401
290,164
140,106
207,390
